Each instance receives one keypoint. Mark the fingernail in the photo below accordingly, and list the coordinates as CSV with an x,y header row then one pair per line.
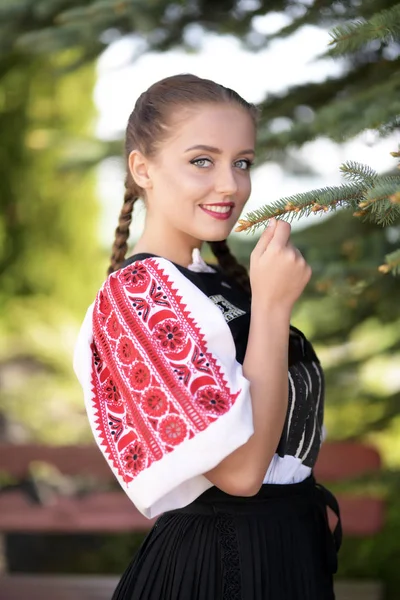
x,y
271,223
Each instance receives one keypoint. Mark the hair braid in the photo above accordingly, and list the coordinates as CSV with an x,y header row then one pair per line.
x,y
230,265
120,245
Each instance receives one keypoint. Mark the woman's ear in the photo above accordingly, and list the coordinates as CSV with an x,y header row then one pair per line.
x,y
139,168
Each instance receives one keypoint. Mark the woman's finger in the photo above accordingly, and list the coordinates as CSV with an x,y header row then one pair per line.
x,y
265,237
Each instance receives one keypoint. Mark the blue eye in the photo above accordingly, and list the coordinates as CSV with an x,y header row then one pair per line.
x,y
202,163
243,164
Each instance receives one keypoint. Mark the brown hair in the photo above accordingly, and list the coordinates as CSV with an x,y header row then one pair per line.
x,y
147,127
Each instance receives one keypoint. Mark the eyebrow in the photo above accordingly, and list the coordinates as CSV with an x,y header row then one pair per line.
x,y
216,150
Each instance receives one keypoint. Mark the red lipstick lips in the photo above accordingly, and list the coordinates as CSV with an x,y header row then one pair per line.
x,y
221,211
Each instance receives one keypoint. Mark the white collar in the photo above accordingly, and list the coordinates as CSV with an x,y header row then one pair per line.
x,y
198,264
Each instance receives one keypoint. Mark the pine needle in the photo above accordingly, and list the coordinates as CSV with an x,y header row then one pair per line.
x,y
317,201
392,263
359,174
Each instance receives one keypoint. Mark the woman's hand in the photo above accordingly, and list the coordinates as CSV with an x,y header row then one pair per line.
x,y
278,271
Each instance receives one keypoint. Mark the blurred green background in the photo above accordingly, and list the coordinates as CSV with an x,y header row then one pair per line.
x,y
54,254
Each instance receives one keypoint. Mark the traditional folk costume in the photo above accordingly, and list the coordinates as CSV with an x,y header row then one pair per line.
x,y
160,357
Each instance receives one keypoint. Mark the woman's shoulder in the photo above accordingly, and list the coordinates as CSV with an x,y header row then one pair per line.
x,y
202,275
140,271
156,282
138,257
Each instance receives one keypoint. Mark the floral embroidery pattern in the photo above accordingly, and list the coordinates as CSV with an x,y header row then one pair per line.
x,y
135,457
135,276
157,294
213,401
98,363
127,353
140,377
199,360
116,426
112,393
170,336
173,430
154,402
113,327
142,307
182,372
105,305
155,384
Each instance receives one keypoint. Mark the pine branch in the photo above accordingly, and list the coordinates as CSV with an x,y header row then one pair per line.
x,y
371,197
392,263
317,95
383,26
374,107
360,174
300,205
100,9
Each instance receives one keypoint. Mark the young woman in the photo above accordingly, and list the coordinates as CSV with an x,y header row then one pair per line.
x,y
205,401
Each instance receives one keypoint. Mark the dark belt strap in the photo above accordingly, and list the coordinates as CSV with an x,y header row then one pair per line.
x,y
333,539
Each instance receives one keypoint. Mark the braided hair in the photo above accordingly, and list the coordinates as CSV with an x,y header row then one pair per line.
x,y
120,245
147,127
230,265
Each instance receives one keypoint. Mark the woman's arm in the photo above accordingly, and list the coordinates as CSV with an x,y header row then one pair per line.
x,y
266,367
278,275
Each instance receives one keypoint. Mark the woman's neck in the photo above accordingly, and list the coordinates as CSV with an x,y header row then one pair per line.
x,y
177,251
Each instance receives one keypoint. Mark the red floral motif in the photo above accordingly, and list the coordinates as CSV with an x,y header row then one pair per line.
x,y
140,376
141,306
135,275
199,360
116,426
112,392
157,294
154,402
98,363
126,351
182,372
113,326
173,430
104,304
135,457
212,400
170,336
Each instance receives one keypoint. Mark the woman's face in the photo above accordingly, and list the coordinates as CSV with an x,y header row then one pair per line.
x,y
199,178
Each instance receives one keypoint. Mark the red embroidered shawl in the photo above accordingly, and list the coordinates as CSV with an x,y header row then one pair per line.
x,y
165,396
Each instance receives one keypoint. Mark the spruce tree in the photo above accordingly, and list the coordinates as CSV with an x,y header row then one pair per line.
x,y
371,197
364,96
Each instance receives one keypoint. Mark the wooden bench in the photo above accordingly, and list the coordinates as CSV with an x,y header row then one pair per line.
x,y
111,510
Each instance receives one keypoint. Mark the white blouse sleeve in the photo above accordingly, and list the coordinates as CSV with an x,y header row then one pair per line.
x,y
166,399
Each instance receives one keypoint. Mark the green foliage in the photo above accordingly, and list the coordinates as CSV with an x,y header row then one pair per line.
x,y
359,174
370,197
392,261
364,95
350,37
304,204
48,257
49,272
47,217
373,197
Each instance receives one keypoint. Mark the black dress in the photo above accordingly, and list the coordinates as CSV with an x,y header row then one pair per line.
x,y
206,545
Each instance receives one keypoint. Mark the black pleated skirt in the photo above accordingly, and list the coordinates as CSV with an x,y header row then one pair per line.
x,y
275,545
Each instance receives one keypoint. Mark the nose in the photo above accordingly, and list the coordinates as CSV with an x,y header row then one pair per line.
x,y
225,180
